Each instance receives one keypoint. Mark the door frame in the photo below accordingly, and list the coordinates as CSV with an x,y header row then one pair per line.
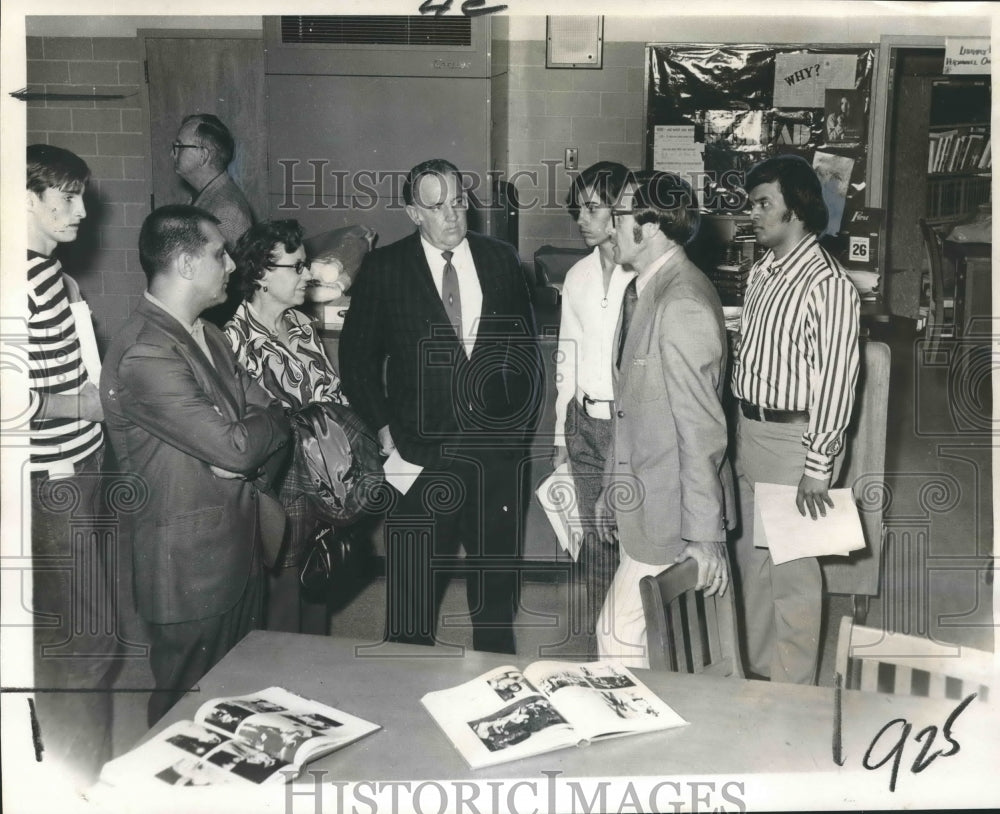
x,y
883,106
144,34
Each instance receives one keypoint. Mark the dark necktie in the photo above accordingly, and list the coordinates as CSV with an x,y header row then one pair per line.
x,y
628,308
449,294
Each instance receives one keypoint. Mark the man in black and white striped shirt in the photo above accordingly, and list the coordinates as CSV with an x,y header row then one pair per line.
x,y
72,655
795,373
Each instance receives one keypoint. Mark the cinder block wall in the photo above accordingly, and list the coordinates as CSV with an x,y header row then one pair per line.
x,y
598,111
108,135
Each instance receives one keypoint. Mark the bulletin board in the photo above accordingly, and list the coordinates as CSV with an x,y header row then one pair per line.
x,y
713,111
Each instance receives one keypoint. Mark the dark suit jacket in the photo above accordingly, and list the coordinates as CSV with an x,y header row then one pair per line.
x,y
170,415
401,363
669,426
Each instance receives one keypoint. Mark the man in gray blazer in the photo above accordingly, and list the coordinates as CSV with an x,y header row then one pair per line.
x,y
205,438
669,488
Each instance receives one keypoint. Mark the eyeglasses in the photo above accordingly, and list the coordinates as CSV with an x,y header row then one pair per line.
x,y
176,147
298,265
617,213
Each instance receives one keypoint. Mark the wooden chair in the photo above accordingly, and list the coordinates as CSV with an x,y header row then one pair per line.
x,y
941,297
858,573
687,631
881,661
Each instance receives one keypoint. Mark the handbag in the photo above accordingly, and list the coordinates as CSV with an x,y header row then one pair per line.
x,y
336,462
330,564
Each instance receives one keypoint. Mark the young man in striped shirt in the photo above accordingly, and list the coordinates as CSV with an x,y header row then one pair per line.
x,y
795,373
74,655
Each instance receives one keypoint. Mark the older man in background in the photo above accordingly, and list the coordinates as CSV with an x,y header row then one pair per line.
x,y
202,151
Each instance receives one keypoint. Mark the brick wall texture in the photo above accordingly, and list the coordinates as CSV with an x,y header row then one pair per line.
x,y
598,111
108,135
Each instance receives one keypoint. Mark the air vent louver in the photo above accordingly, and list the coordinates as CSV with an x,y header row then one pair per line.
x,y
377,30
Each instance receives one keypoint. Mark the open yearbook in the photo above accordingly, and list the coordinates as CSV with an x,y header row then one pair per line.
x,y
507,714
264,737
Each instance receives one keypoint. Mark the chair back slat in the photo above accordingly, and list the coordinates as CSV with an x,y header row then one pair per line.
x,y
903,681
656,626
869,676
711,627
937,685
918,665
686,631
694,634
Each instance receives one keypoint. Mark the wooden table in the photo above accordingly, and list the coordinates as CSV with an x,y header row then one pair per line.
x,y
738,728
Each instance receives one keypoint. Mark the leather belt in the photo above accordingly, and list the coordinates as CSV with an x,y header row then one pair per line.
x,y
755,413
597,408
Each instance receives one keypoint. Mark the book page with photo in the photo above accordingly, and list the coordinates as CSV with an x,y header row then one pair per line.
x,y
508,714
602,699
264,737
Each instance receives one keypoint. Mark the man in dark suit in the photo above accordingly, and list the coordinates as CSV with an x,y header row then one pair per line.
x,y
439,353
204,437
669,428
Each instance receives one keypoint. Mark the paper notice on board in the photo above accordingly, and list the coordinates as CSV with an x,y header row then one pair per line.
x,y
801,80
834,173
967,55
736,129
675,150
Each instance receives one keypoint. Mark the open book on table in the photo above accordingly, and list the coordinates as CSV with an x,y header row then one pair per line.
x,y
264,737
507,714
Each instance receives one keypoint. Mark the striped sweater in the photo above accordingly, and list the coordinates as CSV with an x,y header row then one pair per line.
x,y
55,366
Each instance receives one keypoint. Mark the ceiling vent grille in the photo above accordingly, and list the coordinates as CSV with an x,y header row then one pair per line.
x,y
376,30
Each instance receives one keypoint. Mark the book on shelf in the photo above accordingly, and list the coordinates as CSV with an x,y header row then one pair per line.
x,y
986,159
508,714
263,737
957,150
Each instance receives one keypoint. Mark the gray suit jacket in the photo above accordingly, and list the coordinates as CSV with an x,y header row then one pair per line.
x,y
669,473
171,414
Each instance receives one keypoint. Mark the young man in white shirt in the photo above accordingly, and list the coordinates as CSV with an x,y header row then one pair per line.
x,y
591,300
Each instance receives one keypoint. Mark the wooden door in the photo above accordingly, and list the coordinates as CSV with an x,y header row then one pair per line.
x,y
220,72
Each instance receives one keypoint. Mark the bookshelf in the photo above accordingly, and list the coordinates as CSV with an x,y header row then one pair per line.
x,y
725,249
959,149
937,163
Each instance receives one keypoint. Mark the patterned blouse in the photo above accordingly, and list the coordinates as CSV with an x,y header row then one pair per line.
x,y
295,376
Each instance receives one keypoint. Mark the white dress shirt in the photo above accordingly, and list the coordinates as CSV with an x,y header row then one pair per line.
x,y
647,273
586,335
469,290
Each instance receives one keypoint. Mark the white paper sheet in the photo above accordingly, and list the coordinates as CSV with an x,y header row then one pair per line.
x,y
675,150
801,80
400,473
557,496
88,344
790,536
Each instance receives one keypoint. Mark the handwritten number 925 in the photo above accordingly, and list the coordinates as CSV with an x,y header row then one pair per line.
x,y
922,761
470,8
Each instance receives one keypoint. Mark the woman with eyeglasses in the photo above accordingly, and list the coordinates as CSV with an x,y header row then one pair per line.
x,y
281,350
